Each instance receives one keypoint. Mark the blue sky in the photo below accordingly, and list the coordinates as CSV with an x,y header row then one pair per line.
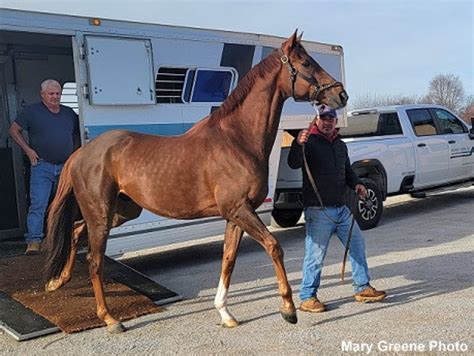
x,y
391,47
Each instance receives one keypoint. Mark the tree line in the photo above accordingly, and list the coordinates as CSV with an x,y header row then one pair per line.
x,y
444,89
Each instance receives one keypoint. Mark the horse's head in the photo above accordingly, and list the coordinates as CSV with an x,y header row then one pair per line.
x,y
305,80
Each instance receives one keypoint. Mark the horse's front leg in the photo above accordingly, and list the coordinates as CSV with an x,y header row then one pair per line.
x,y
233,236
246,218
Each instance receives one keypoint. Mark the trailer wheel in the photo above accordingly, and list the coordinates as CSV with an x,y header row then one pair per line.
x,y
286,217
368,212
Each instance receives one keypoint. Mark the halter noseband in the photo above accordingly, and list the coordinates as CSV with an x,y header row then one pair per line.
x,y
294,73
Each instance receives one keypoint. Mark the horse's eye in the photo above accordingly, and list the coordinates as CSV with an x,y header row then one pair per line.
x,y
306,64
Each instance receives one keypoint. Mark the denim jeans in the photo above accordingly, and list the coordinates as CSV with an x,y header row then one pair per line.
x,y
43,183
319,230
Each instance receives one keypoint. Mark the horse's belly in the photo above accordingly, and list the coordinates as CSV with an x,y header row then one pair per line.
x,y
175,205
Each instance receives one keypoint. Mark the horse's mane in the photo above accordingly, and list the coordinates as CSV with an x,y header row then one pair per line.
x,y
261,70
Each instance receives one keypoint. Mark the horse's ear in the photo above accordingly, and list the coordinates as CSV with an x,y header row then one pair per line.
x,y
300,37
290,43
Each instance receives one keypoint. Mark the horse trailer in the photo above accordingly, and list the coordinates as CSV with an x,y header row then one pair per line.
x,y
143,77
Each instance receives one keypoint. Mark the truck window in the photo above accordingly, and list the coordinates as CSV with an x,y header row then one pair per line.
x,y
422,122
448,123
372,124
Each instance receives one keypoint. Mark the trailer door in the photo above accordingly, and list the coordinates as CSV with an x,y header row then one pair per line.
x,y
9,213
120,71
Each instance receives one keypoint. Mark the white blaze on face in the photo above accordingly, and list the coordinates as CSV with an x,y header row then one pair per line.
x,y
220,301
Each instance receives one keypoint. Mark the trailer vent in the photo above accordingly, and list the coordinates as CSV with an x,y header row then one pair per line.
x,y
69,96
170,85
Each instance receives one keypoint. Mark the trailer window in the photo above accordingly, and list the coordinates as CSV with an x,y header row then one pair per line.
x,y
422,122
193,85
266,51
238,56
372,124
211,86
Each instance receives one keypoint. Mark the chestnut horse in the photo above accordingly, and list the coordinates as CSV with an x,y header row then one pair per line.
x,y
217,168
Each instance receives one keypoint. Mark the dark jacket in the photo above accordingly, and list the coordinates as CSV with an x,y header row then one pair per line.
x,y
330,166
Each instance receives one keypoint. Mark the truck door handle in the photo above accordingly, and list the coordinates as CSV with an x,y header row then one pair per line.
x,y
451,142
422,145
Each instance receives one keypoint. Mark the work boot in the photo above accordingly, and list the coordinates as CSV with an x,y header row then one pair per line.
x,y
312,305
32,248
370,294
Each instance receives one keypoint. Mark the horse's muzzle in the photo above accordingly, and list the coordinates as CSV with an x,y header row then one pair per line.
x,y
344,97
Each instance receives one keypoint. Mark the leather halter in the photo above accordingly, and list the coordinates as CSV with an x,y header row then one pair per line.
x,y
294,73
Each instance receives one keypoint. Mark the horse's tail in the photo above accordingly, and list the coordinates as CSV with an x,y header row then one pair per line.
x,y
61,216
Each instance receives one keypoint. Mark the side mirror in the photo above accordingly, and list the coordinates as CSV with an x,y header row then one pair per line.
x,y
471,130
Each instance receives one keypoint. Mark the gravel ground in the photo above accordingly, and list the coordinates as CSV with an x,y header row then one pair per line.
x,y
421,254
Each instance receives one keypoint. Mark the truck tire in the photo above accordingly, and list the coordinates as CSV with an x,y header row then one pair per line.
x,y
368,212
286,217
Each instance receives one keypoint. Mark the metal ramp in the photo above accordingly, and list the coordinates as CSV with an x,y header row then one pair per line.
x,y
20,322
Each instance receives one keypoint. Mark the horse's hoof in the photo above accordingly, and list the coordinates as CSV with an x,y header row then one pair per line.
x,y
290,317
229,324
116,328
52,285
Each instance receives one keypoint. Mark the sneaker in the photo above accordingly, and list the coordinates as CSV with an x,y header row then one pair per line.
x,y
312,305
370,294
32,248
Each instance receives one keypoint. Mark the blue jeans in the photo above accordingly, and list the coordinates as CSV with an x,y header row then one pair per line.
x,y
319,230
43,183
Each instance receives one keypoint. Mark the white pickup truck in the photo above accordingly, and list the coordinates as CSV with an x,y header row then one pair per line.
x,y
398,149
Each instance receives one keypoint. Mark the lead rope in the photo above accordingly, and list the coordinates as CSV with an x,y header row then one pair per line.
x,y
315,188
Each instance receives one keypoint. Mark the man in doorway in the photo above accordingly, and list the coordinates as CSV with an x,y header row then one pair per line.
x,y
53,132
329,164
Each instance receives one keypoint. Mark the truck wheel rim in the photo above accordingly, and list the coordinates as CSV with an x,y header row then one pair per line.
x,y
368,208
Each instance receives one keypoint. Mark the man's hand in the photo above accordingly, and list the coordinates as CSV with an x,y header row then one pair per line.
x,y
302,137
361,191
15,132
33,156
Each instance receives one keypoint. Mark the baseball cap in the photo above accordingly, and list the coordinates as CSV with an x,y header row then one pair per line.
x,y
327,111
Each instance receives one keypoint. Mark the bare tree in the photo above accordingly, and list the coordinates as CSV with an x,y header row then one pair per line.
x,y
446,90
468,111
371,100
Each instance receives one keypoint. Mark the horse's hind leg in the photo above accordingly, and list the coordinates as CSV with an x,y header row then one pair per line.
x,y
246,218
78,232
98,208
126,210
233,236
97,241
